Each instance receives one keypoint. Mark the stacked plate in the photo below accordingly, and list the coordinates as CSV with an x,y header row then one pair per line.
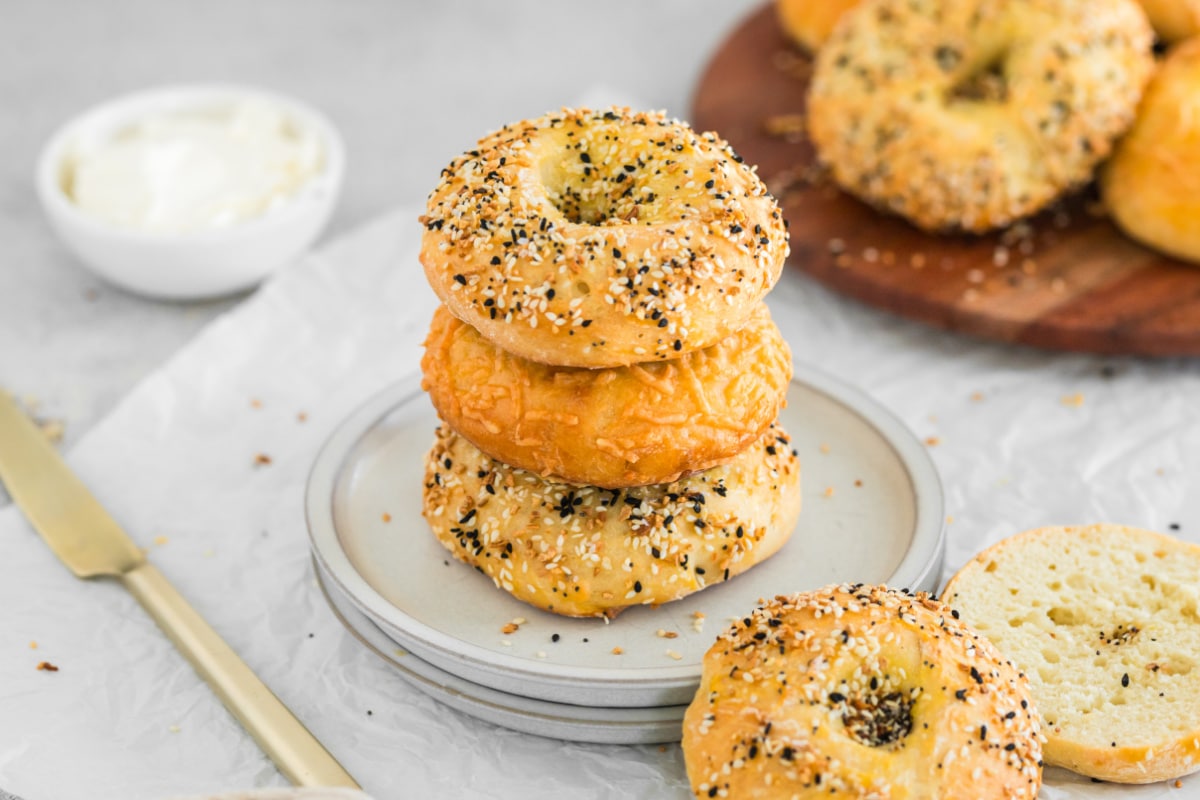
x,y
872,513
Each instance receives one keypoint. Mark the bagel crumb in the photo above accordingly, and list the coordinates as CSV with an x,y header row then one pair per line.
x,y
792,64
790,127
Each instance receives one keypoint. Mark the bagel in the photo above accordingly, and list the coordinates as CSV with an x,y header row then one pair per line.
x,y
809,22
971,114
862,692
1151,185
1104,619
617,427
583,551
1173,20
602,238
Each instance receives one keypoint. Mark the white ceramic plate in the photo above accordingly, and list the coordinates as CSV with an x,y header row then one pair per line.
x,y
872,513
556,720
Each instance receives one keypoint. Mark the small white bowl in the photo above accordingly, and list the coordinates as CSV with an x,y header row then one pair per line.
x,y
193,265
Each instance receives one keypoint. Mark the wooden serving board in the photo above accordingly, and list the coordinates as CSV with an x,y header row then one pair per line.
x,y
1066,280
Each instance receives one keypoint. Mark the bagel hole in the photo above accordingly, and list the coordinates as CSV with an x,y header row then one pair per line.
x,y
878,719
985,84
601,194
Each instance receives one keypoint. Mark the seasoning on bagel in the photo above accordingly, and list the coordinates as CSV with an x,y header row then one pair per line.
x,y
860,691
971,114
583,551
602,238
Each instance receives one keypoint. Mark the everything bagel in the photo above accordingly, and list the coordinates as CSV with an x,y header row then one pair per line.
x,y
602,238
862,692
582,551
970,114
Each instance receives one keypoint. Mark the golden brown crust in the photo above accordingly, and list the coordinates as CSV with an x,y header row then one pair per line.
x,y
1151,185
588,552
1104,619
909,109
809,22
860,692
602,238
615,427
1173,20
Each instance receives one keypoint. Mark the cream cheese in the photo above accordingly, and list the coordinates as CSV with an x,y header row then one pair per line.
x,y
188,170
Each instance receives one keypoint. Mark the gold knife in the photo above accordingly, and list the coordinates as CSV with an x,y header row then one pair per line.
x,y
91,544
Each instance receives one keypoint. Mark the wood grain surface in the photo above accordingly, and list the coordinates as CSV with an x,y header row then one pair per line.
x,y
1066,279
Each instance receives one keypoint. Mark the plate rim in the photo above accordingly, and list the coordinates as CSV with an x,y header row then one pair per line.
x,y
918,567
469,697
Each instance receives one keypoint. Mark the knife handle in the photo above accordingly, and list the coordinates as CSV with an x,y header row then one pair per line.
x,y
297,753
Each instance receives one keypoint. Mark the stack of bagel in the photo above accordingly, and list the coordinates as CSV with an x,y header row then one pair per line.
x,y
606,371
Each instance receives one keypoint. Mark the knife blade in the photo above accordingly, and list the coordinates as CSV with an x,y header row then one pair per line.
x,y
91,543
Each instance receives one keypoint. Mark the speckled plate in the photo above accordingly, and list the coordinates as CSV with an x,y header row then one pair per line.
x,y
555,720
873,513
